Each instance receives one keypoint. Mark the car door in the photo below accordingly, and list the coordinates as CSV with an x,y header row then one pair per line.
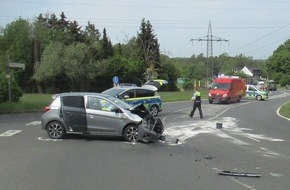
x,y
251,92
73,112
100,117
154,84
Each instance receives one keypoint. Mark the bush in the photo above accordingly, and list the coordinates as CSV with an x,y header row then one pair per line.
x,y
16,93
285,79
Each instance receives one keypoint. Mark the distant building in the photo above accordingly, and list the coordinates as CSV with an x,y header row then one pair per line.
x,y
253,74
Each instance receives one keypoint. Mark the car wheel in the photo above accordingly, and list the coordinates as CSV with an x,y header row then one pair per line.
x,y
154,110
228,101
259,97
55,130
131,133
209,101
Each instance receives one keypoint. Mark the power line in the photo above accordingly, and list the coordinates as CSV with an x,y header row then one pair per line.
x,y
209,39
260,38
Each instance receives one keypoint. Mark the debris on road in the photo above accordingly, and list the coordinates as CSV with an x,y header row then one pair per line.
x,y
239,174
208,157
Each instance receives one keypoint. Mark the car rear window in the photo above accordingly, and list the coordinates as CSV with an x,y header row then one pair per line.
x,y
114,91
144,93
73,101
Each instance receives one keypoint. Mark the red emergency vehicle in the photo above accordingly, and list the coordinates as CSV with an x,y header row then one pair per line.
x,y
227,89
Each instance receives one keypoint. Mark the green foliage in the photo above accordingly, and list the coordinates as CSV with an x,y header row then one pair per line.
x,y
17,43
15,91
148,49
285,80
285,110
169,73
51,63
279,62
27,103
62,57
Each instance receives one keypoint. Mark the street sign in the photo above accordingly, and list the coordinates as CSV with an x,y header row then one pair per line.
x,y
16,65
12,65
115,80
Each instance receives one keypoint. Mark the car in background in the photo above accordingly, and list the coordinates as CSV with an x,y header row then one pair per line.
x,y
261,85
227,89
127,84
271,86
99,114
146,95
252,92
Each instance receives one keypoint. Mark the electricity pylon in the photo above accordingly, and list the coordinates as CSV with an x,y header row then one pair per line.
x,y
209,39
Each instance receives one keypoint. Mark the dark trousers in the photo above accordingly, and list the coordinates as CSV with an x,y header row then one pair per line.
x,y
198,106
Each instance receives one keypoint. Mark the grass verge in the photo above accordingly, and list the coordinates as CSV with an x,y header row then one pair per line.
x,y
27,103
285,110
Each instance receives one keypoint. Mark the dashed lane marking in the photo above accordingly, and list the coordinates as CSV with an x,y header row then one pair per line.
x,y
10,133
45,139
34,123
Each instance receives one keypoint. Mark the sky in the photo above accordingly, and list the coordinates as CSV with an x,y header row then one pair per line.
x,y
254,28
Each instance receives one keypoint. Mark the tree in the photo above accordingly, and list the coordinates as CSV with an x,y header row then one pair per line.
x,y
79,67
279,62
16,44
149,50
169,73
106,46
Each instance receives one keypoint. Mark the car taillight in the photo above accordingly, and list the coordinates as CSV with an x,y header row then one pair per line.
x,y
46,109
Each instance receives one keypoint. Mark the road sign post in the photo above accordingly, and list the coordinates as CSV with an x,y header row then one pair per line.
x,y
115,80
12,65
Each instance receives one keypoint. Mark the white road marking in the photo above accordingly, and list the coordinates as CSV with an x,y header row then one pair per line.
x,y
34,123
10,133
54,140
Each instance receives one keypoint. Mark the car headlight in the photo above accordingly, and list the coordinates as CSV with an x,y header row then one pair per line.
x,y
225,95
133,117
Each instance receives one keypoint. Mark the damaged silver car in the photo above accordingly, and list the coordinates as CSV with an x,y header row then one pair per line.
x,y
99,114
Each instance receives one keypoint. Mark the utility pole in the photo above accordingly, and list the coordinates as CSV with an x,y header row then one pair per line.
x,y
209,39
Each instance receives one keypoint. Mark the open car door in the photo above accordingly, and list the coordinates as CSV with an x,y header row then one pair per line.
x,y
154,84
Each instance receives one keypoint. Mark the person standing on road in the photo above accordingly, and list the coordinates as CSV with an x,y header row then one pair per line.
x,y
196,98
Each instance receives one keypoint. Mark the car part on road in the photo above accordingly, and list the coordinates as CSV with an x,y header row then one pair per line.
x,y
239,174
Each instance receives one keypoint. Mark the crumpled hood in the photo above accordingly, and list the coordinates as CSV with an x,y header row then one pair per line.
x,y
140,110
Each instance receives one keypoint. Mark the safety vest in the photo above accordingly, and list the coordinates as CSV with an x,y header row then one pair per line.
x,y
197,96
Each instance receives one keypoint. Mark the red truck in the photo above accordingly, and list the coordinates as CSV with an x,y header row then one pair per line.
x,y
227,89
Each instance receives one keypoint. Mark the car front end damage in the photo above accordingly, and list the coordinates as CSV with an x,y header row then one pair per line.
x,y
150,129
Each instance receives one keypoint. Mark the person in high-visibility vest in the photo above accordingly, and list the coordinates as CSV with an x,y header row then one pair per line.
x,y
196,98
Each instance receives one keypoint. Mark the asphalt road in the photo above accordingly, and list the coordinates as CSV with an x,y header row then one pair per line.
x,y
253,138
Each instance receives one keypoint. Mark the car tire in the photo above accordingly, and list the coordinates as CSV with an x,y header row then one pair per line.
x,y
55,130
154,110
131,133
259,98
228,101
209,101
